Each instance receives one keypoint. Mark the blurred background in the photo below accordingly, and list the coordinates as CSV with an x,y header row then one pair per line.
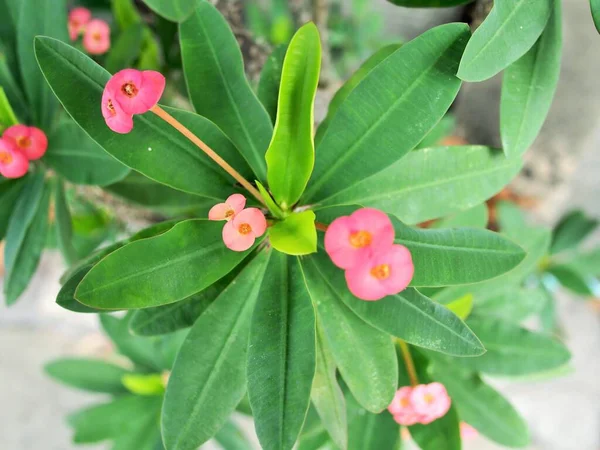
x,y
561,174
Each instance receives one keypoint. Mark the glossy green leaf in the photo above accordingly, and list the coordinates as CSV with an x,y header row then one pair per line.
x,y
378,123
88,374
510,30
218,87
7,115
11,88
10,191
432,183
126,49
429,3
512,303
482,407
281,354
408,315
25,239
350,340
143,384
40,17
573,280
230,437
573,228
476,217
271,205
125,12
457,256
270,80
444,128
144,434
143,191
173,10
63,223
208,381
595,7
343,93
185,260
66,295
295,235
512,350
327,397
462,307
441,434
528,88
291,153
368,431
156,150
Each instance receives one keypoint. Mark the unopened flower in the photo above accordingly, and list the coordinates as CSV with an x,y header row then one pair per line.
x,y
467,431
96,39
240,233
78,19
116,119
31,141
226,211
430,401
386,272
136,91
13,163
350,240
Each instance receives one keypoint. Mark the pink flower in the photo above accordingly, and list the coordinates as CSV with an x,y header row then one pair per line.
x,y
96,39
401,408
350,240
386,272
116,119
240,233
13,163
31,141
226,211
135,91
467,431
78,19
430,401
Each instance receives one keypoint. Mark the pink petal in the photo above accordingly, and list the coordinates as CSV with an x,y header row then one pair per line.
x,y
467,431
30,140
221,211
13,163
153,86
363,284
338,247
15,132
236,202
129,103
253,217
235,240
402,269
96,39
116,119
78,18
407,418
377,223
402,395
39,144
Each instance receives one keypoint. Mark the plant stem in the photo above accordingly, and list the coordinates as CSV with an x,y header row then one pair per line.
x,y
206,149
408,361
321,226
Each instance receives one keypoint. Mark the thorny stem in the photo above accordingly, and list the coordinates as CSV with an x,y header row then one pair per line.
x,y
206,149
321,226
408,361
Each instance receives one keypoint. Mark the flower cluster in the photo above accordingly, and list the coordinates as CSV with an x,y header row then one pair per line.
x,y
363,245
422,404
130,92
243,225
96,32
19,145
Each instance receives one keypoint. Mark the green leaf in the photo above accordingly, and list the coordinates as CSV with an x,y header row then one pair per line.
x,y
126,14
482,407
510,217
88,374
595,7
63,223
270,80
408,315
350,340
512,350
66,295
218,87
573,228
126,49
143,191
160,270
142,384
528,88
10,191
432,183
230,437
327,397
11,88
295,235
274,209
462,307
476,217
512,303
457,256
156,150
173,10
573,280
40,17
26,238
444,128
441,434
281,354
7,115
343,93
291,153
368,431
429,3
378,123
208,381
587,262
509,31
114,419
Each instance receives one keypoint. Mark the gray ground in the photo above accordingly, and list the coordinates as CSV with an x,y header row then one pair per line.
x,y
564,414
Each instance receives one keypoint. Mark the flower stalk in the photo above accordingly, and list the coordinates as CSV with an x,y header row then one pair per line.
x,y
408,362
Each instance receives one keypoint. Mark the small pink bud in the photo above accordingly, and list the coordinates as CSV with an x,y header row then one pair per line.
x,y
240,233
13,163
116,119
467,432
96,39
386,272
226,211
430,401
135,91
350,240
31,141
78,19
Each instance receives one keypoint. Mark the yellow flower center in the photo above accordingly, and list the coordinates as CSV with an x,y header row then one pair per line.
x,y
230,213
381,272
245,228
23,141
429,399
129,89
5,158
360,239
111,108
405,403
